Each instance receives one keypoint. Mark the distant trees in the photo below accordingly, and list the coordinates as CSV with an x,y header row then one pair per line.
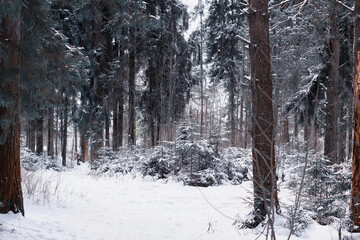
x,y
226,55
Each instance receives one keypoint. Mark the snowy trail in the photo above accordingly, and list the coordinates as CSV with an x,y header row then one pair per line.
x,y
125,208
128,209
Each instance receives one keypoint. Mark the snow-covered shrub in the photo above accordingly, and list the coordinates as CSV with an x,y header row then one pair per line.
x,y
196,163
32,162
300,222
325,185
113,162
160,164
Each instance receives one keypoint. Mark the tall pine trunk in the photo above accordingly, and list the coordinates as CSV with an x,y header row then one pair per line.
x,y
39,134
64,132
355,180
11,197
264,167
32,135
330,142
232,110
50,145
132,73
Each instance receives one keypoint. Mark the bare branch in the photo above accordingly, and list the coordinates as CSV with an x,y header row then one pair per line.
x,y
279,4
344,5
243,39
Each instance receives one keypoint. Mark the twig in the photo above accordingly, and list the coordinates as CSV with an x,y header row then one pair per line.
x,y
224,215
346,6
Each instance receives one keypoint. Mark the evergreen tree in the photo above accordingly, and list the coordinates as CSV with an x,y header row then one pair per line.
x,y
225,24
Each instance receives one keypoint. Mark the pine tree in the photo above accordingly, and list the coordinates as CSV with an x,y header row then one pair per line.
x,y
225,24
11,198
264,165
355,180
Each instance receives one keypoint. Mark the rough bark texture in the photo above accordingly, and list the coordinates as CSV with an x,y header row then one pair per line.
x,y
50,145
32,129
84,148
355,181
64,133
132,72
11,198
39,135
265,191
107,128
330,143
115,142
232,111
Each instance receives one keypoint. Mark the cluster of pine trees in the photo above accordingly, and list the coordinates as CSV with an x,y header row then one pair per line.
x,y
120,72
96,67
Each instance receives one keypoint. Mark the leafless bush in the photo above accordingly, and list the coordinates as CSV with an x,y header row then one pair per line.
x,y
40,187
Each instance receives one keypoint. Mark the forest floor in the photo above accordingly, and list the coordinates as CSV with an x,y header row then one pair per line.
x,y
76,204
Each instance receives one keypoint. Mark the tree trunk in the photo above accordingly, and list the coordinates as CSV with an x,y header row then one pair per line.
x,y
132,73
40,134
50,145
330,141
32,135
201,71
286,136
107,128
355,180
115,142
64,133
241,120
350,133
342,133
84,148
232,111
56,132
121,115
247,118
11,197
264,168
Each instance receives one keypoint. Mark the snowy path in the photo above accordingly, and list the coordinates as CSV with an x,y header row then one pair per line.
x,y
124,208
129,209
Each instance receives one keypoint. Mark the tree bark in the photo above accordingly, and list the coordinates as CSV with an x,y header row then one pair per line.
x,y
264,167
84,148
286,136
115,142
132,73
11,197
64,133
40,134
355,180
50,145
107,127
330,141
232,111
56,131
120,115
32,139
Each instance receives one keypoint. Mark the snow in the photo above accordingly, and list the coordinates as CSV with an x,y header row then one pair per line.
x,y
77,204
123,207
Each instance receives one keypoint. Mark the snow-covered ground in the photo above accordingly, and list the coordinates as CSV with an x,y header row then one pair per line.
x,y
76,204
